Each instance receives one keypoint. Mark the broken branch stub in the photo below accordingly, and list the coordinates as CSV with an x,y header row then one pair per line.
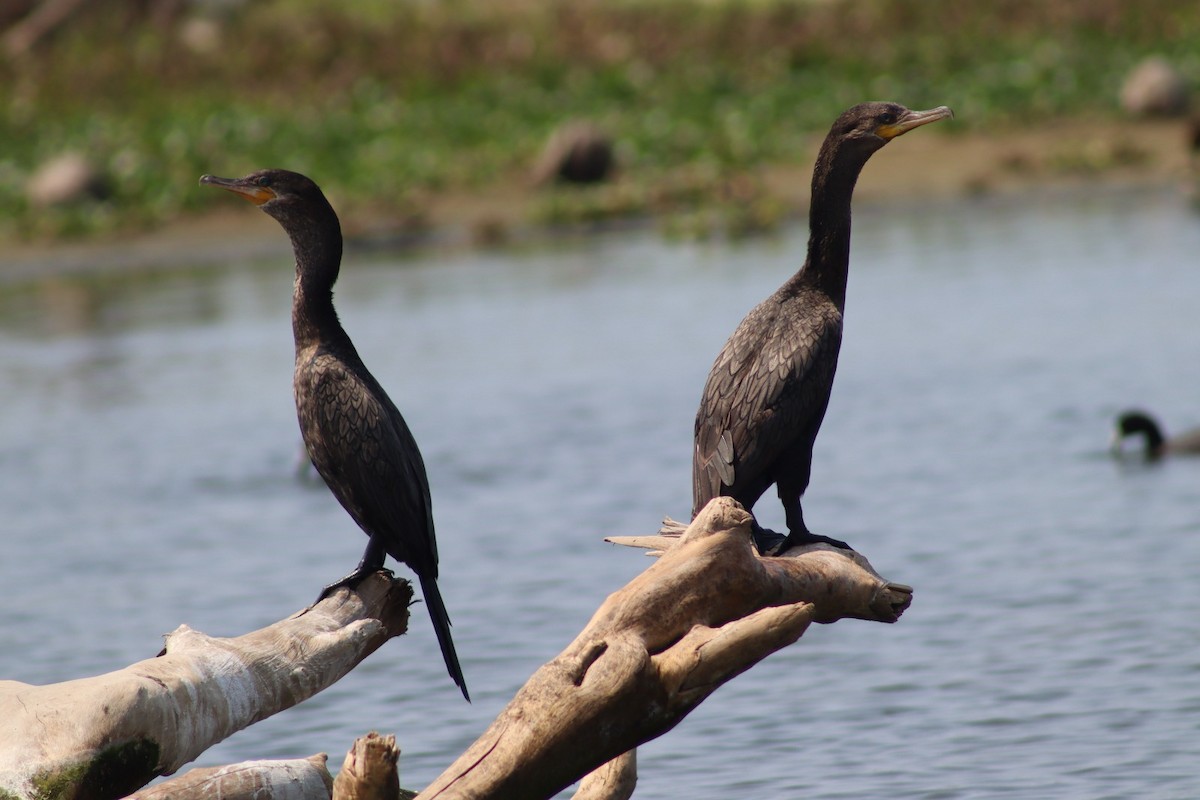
x,y
370,770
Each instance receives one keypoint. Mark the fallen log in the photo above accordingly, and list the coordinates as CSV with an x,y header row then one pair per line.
x,y
285,779
707,610
109,735
368,773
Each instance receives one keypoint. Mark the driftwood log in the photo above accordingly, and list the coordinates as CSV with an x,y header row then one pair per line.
x,y
287,779
706,611
109,735
368,773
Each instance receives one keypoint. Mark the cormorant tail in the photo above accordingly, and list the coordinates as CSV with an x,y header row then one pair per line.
x,y
441,626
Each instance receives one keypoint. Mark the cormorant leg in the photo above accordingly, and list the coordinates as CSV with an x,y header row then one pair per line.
x,y
766,541
371,561
799,534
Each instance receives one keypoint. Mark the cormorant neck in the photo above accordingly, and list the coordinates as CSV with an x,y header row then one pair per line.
x,y
1136,423
834,176
1154,441
317,244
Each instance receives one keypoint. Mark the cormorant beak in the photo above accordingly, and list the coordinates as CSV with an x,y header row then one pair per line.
x,y
252,192
913,119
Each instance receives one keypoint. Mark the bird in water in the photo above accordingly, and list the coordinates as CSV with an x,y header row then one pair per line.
x,y
353,432
1157,445
768,389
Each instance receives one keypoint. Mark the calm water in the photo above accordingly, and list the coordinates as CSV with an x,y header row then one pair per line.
x,y
1053,648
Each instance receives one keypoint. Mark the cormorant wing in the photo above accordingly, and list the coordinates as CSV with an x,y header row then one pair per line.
x,y
766,395
371,461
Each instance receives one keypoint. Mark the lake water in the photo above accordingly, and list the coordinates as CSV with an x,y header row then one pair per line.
x,y
1053,646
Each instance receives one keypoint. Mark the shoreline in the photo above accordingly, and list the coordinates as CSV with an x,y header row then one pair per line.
x,y
1061,157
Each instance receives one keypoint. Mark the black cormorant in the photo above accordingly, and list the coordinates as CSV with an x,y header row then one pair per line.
x,y
769,387
1132,423
353,432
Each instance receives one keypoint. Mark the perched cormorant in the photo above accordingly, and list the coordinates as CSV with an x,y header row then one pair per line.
x,y
354,434
769,387
1132,423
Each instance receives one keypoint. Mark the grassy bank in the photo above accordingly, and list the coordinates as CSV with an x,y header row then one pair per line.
x,y
389,104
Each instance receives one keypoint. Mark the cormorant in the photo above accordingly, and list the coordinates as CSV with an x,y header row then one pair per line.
x,y
1132,423
353,432
769,387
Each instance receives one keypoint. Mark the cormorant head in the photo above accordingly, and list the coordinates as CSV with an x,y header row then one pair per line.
x,y
282,194
872,125
1134,422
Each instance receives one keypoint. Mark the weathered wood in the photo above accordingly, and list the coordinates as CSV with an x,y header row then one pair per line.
x,y
708,609
615,780
109,735
290,779
369,771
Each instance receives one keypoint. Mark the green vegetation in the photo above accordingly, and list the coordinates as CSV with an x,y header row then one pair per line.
x,y
386,102
115,772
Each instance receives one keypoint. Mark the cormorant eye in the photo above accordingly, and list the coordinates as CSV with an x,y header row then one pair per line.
x,y
887,118
263,180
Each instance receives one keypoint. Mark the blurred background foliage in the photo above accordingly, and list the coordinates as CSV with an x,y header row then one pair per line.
x,y
386,101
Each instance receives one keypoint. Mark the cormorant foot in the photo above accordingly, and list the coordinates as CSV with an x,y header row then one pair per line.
x,y
766,541
356,577
801,538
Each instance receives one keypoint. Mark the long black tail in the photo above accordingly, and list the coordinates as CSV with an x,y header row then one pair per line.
x,y
441,626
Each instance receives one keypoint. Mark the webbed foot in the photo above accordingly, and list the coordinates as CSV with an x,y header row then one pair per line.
x,y
766,541
803,537
360,573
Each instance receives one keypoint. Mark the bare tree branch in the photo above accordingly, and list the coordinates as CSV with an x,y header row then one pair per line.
x,y
291,779
614,780
707,610
109,735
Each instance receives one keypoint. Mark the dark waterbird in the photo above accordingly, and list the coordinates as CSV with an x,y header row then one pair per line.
x,y
1157,444
767,392
353,432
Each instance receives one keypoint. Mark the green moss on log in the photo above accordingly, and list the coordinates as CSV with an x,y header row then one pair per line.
x,y
114,772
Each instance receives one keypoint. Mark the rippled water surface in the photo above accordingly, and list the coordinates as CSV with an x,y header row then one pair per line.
x,y
148,442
